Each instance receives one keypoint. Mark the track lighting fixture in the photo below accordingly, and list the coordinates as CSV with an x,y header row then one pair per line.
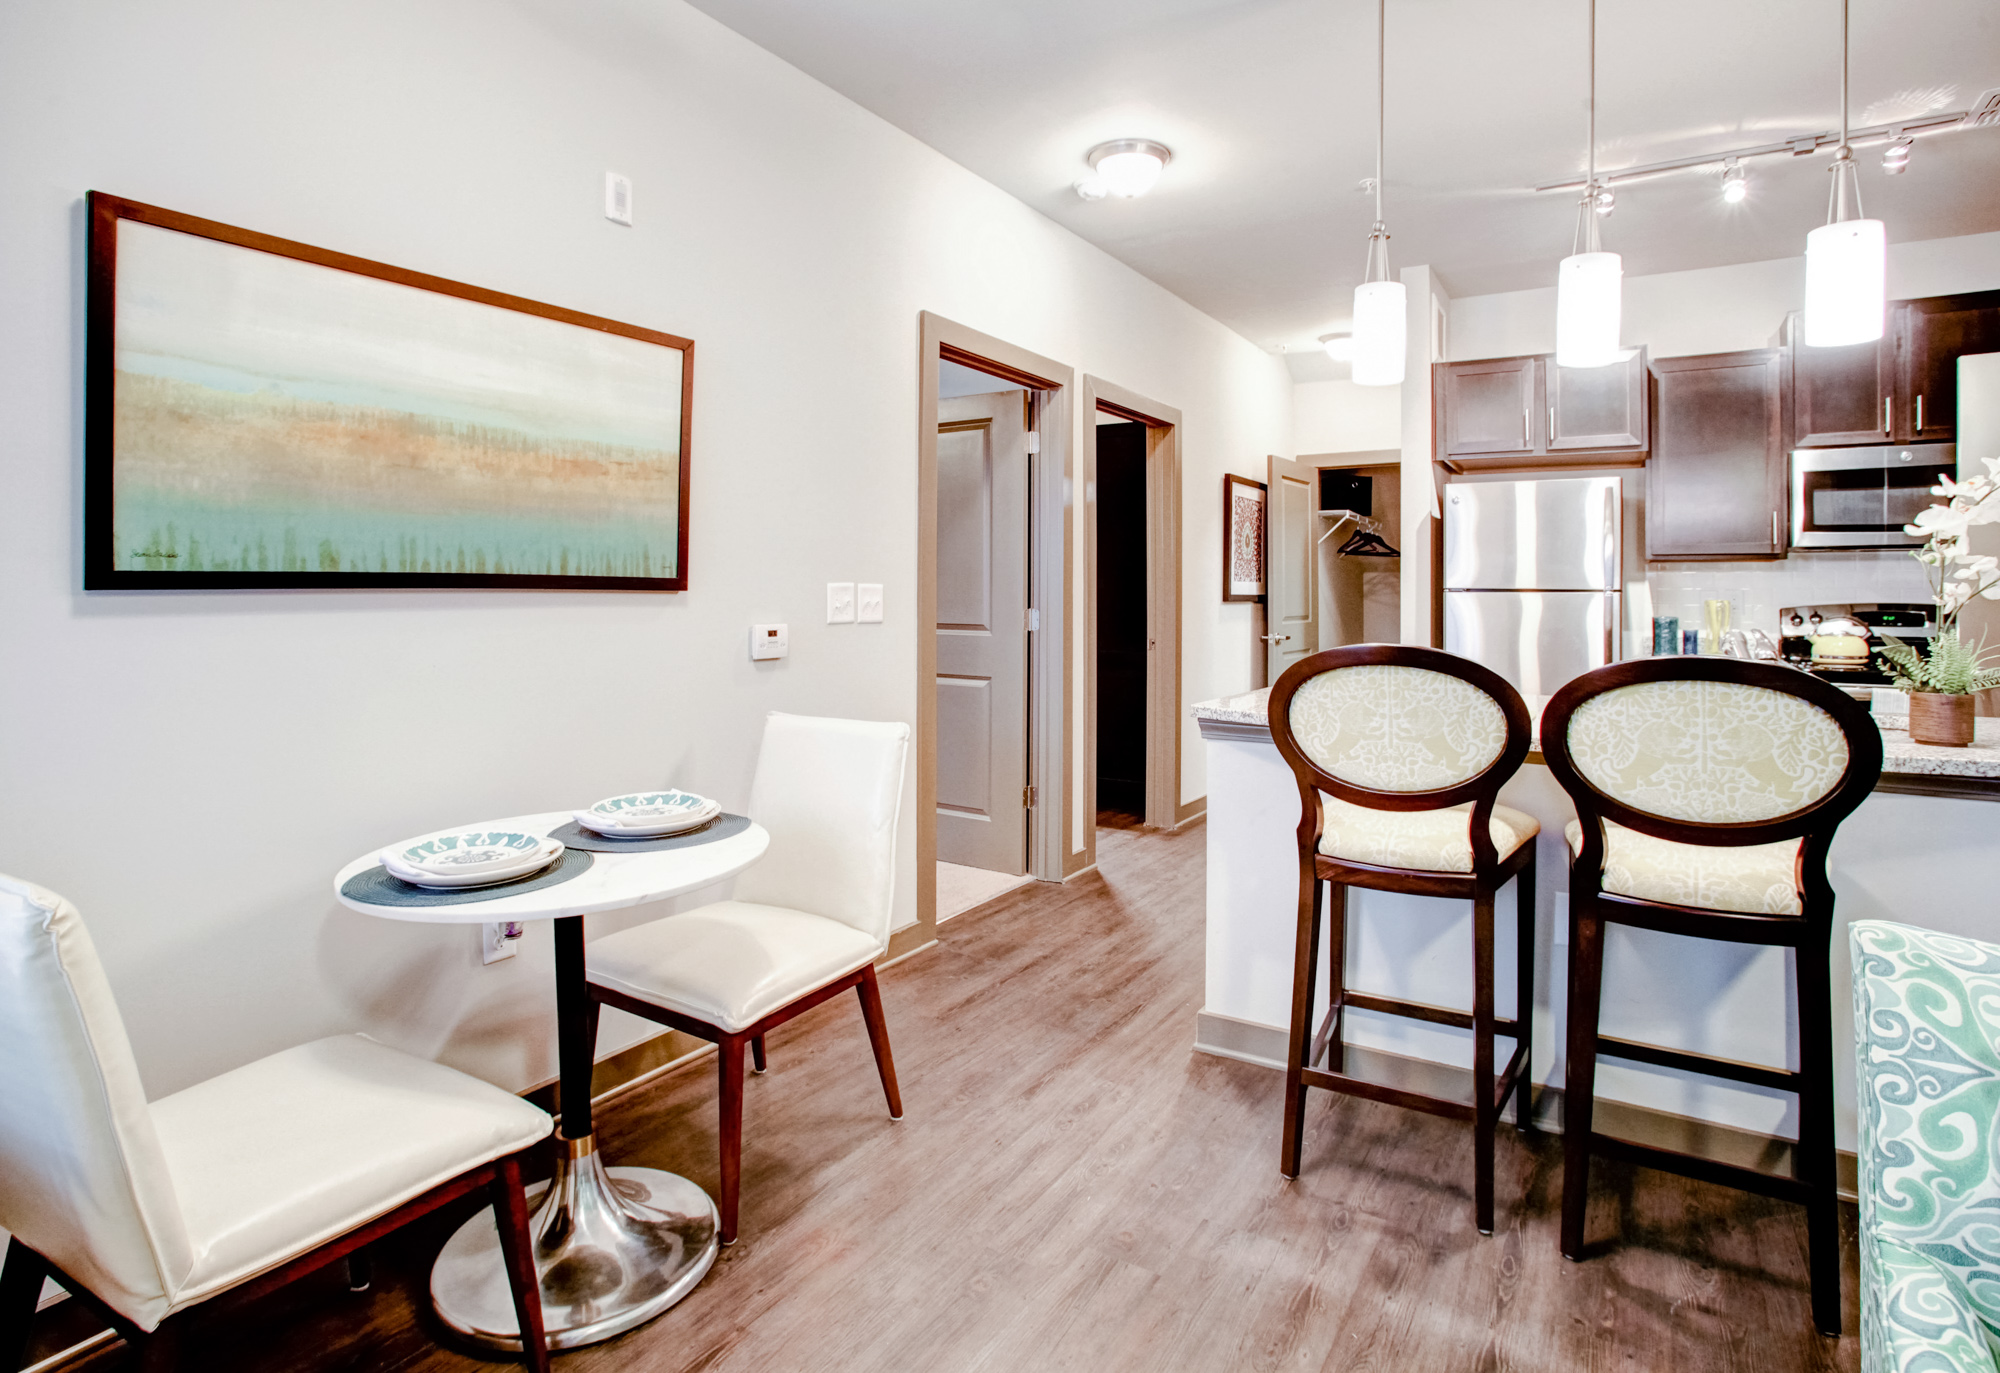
x,y
1735,182
1896,157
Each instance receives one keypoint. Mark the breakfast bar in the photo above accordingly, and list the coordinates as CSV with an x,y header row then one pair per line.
x,y
1897,858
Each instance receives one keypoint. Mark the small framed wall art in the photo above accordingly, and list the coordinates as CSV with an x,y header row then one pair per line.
x,y
1242,539
260,413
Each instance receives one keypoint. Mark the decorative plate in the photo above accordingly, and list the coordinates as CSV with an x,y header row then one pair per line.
x,y
471,858
648,814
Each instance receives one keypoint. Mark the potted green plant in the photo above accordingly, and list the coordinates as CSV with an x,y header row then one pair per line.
x,y
1941,679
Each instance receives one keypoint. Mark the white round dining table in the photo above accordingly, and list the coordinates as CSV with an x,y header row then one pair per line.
x,y
614,1247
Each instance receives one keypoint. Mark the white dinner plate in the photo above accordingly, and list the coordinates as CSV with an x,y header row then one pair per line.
x,y
470,858
648,814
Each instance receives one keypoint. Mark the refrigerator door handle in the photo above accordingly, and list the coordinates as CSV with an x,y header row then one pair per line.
x,y
1611,531
1610,627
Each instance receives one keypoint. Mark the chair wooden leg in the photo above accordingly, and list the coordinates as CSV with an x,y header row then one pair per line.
x,y
1815,1156
870,992
729,1064
517,1249
360,1271
1334,934
160,1351
1305,970
1524,990
20,1289
1485,1111
757,1063
1586,984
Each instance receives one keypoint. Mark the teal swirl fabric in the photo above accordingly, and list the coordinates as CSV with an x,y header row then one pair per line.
x,y
1927,1021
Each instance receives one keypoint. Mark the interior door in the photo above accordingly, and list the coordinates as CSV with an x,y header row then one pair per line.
x,y
1291,601
982,631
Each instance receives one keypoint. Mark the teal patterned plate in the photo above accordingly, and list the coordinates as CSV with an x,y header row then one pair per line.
x,y
645,814
470,858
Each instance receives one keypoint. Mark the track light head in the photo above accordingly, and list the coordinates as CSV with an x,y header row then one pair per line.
x,y
1896,157
1735,182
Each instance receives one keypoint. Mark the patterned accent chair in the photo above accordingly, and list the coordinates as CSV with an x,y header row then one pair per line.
x,y
1927,1025
1707,792
1400,754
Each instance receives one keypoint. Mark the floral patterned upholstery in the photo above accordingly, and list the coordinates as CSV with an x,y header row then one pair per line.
x,y
1426,840
1760,879
1716,752
1927,1022
1393,728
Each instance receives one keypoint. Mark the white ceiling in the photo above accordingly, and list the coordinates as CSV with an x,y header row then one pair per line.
x,y
1269,106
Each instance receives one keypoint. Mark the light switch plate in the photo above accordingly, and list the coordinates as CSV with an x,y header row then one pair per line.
x,y
618,198
868,603
768,641
840,603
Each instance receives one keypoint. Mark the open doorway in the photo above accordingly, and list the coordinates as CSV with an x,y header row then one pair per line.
x,y
1121,621
993,726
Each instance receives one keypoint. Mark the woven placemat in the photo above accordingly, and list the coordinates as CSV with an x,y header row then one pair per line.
x,y
721,827
375,887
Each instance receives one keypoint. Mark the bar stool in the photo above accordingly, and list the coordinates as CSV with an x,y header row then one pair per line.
x,y
1400,753
1707,792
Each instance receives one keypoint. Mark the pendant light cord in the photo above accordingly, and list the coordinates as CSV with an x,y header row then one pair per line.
x,y
1378,236
1846,176
1586,238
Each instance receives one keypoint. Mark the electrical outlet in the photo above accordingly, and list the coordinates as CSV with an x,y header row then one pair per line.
x,y
497,940
618,198
868,603
840,603
768,641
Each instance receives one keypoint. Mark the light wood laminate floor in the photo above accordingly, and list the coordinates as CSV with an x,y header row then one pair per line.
x,y
1073,1188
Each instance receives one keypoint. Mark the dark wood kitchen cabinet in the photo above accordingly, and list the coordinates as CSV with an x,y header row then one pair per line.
x,y
1528,412
1715,487
1934,334
1902,389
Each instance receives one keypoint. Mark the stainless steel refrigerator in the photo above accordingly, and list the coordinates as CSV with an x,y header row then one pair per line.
x,y
1531,577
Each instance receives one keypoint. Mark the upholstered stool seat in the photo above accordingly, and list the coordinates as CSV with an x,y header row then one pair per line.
x,y
279,1156
729,964
1423,840
1757,879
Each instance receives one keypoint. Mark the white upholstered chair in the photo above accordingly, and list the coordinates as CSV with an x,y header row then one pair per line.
x,y
808,921
238,1184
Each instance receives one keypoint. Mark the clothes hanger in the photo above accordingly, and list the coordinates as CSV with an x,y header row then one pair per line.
x,y
1366,543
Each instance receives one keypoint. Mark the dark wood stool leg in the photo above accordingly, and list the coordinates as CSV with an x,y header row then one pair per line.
x,y
1524,989
870,992
757,1063
20,1289
360,1271
729,1061
160,1352
1586,983
1815,1166
1334,932
1298,1053
1485,1110
517,1249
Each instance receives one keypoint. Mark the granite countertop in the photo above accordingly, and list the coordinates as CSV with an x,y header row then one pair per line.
x,y
1900,754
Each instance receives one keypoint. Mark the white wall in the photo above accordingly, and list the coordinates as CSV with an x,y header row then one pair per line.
x,y
1714,309
1340,417
244,745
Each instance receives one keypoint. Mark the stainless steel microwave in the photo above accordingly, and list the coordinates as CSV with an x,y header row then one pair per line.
x,y
1862,497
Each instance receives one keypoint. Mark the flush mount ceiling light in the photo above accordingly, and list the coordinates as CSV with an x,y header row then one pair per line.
x,y
1590,281
1380,316
1124,167
1339,347
1844,256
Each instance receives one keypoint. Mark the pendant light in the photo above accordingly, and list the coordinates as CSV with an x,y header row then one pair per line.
x,y
1590,281
1379,313
1844,256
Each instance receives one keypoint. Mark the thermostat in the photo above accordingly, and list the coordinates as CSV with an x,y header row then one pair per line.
x,y
767,641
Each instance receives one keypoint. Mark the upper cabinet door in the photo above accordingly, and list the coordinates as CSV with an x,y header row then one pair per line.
x,y
1487,408
1597,407
1936,332
1842,395
1715,487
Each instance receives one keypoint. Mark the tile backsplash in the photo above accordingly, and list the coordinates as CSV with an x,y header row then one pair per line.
x,y
1758,590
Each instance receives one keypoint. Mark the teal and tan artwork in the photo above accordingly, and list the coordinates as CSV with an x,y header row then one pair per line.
x,y
279,421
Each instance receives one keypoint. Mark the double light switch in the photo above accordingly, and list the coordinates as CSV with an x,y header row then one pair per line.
x,y
848,603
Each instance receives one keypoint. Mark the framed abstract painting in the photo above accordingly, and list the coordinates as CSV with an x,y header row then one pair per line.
x,y
1242,539
260,413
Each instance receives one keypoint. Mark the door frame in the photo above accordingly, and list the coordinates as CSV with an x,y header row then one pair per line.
x,y
1050,580
1163,602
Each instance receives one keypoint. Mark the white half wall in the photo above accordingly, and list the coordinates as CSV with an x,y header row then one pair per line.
x,y
250,743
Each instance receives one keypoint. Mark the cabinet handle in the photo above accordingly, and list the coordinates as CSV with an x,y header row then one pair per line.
x,y
1552,424
1887,427
1525,441
1774,530
1920,414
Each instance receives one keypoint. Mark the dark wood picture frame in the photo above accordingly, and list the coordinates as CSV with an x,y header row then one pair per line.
x,y
100,572
1230,481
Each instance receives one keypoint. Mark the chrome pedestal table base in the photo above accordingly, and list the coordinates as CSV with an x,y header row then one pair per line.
x,y
614,1247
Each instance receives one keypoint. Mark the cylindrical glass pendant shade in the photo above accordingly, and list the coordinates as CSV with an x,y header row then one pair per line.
x,y
1589,287
1379,332
1844,283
